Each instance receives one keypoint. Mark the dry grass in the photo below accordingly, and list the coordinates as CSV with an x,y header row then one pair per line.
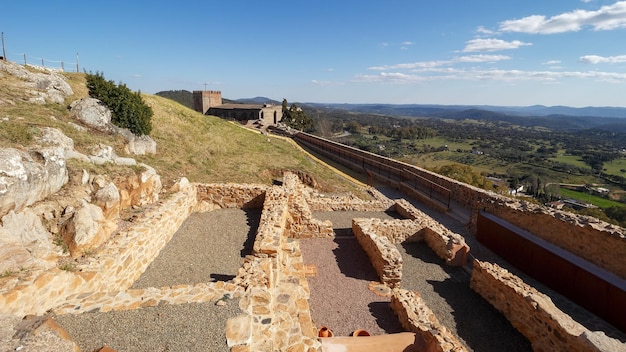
x,y
202,148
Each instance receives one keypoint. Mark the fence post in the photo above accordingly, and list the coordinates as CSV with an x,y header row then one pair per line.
x,y
24,59
4,52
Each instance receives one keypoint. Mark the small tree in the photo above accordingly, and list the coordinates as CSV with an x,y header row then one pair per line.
x,y
294,117
128,109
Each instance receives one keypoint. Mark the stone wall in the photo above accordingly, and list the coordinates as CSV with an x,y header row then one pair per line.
x,y
383,254
275,302
448,245
534,315
415,316
598,242
216,196
115,267
301,222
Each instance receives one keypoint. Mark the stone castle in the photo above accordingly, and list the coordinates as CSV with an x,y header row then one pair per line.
x,y
209,102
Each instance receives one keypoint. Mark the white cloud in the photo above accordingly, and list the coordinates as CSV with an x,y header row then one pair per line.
x,y
595,59
606,18
485,31
491,75
326,83
407,43
433,64
492,45
552,62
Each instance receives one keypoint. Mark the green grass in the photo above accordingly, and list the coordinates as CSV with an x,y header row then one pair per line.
x,y
204,149
588,198
614,167
573,160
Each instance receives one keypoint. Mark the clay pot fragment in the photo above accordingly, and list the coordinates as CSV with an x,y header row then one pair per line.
x,y
360,332
325,332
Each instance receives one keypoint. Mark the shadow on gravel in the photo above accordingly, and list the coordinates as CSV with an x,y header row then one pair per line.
x,y
253,217
478,323
385,317
352,260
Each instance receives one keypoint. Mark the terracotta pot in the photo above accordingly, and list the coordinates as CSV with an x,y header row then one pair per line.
x,y
360,332
325,332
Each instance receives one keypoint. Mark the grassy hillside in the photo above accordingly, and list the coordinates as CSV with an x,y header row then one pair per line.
x,y
202,148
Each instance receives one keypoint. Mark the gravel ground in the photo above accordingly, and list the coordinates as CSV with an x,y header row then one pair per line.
x,y
344,273
207,247
446,291
340,298
181,327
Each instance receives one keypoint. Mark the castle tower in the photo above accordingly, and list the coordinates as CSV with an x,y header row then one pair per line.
x,y
205,99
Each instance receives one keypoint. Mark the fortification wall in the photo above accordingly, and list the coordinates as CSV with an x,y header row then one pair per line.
x,y
596,241
534,315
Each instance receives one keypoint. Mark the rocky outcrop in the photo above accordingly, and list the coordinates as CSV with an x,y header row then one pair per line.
x,y
137,145
29,176
45,86
86,229
141,189
95,114
25,243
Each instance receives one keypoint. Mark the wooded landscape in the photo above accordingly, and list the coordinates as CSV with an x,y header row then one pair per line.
x,y
488,149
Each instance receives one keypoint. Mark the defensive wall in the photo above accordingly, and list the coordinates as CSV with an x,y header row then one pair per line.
x,y
569,243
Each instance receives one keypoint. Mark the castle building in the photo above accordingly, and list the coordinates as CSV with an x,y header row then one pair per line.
x,y
209,102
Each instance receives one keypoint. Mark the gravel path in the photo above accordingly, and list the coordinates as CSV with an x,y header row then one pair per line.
x,y
207,247
446,291
340,298
344,273
181,327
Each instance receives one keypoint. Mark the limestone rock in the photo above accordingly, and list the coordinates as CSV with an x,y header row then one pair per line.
x,y
108,198
86,229
93,113
26,177
141,189
25,243
47,86
137,145
53,137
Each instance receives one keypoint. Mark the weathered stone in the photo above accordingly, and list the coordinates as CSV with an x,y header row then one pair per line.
x,y
29,177
86,229
93,113
238,330
25,243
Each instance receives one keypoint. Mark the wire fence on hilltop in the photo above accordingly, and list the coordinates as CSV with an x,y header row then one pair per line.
x,y
43,63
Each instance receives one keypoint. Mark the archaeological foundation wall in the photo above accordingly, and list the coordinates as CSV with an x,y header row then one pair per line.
x,y
534,315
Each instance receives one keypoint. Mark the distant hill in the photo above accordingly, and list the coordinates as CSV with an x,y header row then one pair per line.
x,y
556,118
258,100
429,110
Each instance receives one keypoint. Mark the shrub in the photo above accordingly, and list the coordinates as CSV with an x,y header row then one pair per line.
x,y
128,109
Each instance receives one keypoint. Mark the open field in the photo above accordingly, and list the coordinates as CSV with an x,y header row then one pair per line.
x,y
588,198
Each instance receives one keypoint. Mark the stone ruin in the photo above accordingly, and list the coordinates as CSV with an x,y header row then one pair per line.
x,y
65,250
271,284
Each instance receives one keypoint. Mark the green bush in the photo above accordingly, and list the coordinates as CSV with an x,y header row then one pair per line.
x,y
128,109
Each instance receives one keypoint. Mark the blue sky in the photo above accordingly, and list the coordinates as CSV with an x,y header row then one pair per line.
x,y
556,52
